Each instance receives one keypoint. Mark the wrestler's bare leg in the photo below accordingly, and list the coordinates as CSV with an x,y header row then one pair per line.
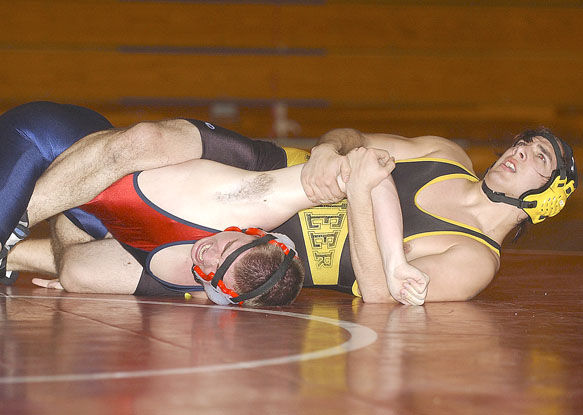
x,y
32,255
96,161
42,255
64,234
88,266
102,267
99,267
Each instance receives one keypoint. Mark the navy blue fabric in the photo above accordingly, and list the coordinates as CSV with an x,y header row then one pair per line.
x,y
31,137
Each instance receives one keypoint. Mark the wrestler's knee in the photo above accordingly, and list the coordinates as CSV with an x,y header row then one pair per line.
x,y
138,146
72,273
161,143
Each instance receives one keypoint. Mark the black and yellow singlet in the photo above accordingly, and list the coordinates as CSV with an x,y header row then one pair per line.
x,y
411,177
325,228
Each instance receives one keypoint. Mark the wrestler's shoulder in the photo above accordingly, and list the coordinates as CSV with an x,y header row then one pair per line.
x,y
422,146
440,147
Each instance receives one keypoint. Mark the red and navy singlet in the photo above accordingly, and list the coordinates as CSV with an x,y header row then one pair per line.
x,y
138,223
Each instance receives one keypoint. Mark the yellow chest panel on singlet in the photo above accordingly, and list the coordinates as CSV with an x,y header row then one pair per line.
x,y
324,228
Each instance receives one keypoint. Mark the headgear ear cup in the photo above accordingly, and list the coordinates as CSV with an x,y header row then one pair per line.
x,y
549,199
552,197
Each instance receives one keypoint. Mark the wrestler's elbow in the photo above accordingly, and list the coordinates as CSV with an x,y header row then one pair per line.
x,y
343,139
452,295
346,131
377,297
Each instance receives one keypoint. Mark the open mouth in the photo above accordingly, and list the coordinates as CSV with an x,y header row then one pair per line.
x,y
510,166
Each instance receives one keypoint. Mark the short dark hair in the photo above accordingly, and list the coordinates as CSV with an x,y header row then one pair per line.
x,y
257,266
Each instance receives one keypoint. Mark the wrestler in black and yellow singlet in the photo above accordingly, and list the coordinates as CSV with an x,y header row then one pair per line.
x,y
321,233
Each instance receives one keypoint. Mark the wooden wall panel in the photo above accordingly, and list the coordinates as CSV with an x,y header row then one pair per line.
x,y
453,67
108,24
354,80
497,27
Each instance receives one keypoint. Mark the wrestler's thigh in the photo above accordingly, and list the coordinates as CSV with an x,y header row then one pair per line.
x,y
100,267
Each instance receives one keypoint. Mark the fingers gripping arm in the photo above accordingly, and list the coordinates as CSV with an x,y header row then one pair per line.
x,y
326,163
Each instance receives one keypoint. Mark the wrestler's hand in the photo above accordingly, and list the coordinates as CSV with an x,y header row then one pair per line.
x,y
408,285
324,175
369,166
52,284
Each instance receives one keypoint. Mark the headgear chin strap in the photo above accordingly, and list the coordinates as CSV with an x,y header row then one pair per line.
x,y
213,283
549,199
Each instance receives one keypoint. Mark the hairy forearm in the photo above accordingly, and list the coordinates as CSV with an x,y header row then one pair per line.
x,y
407,283
364,250
388,223
342,140
33,255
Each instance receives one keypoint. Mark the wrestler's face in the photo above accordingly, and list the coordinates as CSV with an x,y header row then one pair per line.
x,y
524,166
210,252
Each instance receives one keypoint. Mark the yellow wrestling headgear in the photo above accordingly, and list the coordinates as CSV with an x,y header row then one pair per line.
x,y
549,199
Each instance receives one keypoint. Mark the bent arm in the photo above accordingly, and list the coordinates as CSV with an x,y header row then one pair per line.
x,y
369,171
327,159
457,274
388,222
342,141
224,195
376,247
364,250
406,283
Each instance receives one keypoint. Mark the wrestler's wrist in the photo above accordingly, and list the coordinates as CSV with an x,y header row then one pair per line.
x,y
357,195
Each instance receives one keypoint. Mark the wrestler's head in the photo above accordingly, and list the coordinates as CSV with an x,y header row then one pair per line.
x,y
249,267
537,174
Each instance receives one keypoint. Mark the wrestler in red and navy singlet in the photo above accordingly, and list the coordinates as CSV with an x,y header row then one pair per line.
x,y
142,228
